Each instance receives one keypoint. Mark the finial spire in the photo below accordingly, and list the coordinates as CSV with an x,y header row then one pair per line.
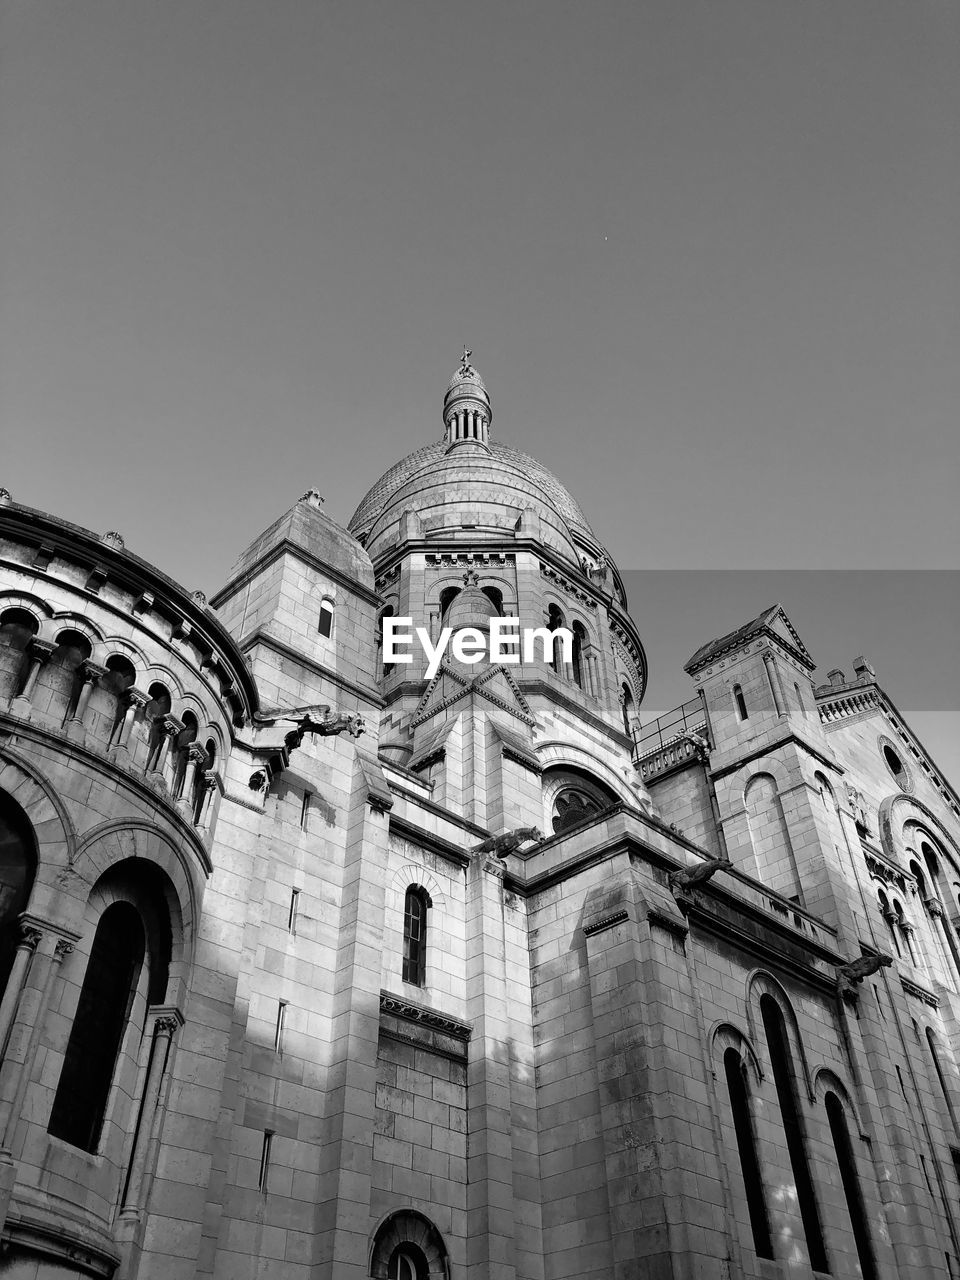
x,y
466,405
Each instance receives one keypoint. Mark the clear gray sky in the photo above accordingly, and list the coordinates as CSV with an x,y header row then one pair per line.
x,y
705,253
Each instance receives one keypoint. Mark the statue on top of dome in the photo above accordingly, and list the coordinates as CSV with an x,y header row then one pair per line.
x,y
465,360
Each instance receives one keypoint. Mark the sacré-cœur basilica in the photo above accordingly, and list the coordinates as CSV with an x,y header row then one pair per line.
x,y
314,968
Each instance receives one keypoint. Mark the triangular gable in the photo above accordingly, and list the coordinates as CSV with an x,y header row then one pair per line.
x,y
772,622
448,687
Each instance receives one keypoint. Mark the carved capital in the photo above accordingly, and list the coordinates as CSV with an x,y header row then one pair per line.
x,y
196,753
42,650
934,907
92,671
166,1025
63,948
171,726
30,937
136,698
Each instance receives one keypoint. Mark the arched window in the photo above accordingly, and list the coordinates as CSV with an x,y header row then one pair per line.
x,y
776,863
17,629
783,1075
747,1148
407,1263
388,612
325,619
158,707
62,673
851,1185
207,766
890,920
905,929
495,596
626,707
103,1009
408,1246
740,701
579,641
572,797
554,620
447,597
120,677
185,739
18,865
415,936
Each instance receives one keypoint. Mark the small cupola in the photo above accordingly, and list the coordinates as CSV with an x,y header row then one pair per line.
x,y
466,406
472,607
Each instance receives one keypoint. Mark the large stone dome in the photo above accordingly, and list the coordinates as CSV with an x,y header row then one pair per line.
x,y
521,476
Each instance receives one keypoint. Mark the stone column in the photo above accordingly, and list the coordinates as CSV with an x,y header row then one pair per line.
x,y
491,1246
40,652
145,1139
30,936
52,948
92,673
170,727
136,700
195,757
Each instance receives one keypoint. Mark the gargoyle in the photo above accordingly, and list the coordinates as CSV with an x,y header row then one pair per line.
x,y
852,972
700,744
509,842
687,877
331,724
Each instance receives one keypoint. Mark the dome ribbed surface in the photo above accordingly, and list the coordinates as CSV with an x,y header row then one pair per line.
x,y
431,456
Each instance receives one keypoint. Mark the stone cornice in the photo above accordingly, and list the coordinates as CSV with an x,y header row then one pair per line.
x,y
772,745
919,993
432,843
409,1011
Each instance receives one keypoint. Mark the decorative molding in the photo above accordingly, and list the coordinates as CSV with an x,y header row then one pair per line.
x,y
885,871
920,993
408,1011
566,585
605,922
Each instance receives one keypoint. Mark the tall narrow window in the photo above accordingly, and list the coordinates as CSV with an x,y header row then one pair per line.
x,y
740,702
747,1148
415,937
325,619
779,1046
18,863
294,910
387,613
626,707
579,640
851,1185
264,1176
103,1008
278,1033
555,620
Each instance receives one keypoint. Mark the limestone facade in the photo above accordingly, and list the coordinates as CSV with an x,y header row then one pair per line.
x,y
277,1003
